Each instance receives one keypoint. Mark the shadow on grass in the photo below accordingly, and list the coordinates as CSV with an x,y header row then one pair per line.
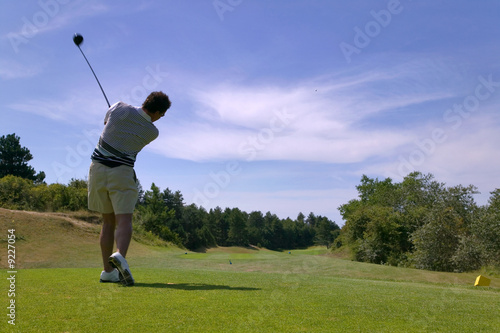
x,y
192,286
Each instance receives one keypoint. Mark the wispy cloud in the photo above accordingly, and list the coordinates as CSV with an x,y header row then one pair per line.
x,y
13,69
467,155
76,108
324,119
55,16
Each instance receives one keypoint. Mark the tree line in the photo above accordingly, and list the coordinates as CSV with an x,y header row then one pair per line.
x,y
165,214
25,194
421,223
418,222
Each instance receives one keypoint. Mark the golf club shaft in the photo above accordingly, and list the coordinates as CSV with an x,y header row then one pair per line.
x,y
99,83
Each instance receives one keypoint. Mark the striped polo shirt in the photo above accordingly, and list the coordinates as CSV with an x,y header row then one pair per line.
x,y
127,130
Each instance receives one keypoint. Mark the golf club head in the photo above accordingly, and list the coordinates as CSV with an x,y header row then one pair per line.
x,y
77,39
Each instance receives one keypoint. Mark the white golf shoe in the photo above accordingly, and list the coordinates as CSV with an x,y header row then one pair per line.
x,y
112,276
118,261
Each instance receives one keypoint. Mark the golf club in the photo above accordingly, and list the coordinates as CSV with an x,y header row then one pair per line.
x,y
78,39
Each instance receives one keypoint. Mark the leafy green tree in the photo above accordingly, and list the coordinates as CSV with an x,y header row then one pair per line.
x,y
391,222
59,197
255,227
206,237
153,199
301,218
14,159
175,201
306,233
325,231
488,236
468,255
370,232
489,232
238,233
15,192
77,194
194,222
205,234
220,225
446,241
418,193
290,233
311,220
436,242
140,194
482,244
380,243
273,232
494,202
376,192
154,216
41,199
461,199
356,216
419,190
22,193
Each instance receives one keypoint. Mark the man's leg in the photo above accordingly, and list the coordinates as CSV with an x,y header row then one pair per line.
x,y
123,233
123,236
122,190
107,239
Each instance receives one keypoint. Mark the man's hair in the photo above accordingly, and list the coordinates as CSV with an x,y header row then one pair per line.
x,y
157,101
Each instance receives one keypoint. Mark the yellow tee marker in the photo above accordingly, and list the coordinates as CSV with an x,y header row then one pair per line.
x,y
482,281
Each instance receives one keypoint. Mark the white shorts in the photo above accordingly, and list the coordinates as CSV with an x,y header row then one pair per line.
x,y
112,190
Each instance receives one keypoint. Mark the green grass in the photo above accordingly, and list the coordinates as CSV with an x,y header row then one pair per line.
x,y
219,300
229,290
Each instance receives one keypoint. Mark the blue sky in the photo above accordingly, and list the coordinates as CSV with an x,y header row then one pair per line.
x,y
278,106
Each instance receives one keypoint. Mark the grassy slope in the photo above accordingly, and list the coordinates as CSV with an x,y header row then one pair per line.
x,y
50,240
228,289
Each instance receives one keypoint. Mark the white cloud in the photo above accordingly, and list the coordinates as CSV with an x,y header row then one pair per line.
x,y
13,69
316,120
76,108
52,16
41,108
471,155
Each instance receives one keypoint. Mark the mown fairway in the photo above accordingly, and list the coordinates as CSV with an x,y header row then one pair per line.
x,y
235,290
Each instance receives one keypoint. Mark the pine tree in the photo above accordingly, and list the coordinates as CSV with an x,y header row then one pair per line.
x,y
14,159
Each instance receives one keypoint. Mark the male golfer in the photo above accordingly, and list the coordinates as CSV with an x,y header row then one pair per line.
x,y
112,189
